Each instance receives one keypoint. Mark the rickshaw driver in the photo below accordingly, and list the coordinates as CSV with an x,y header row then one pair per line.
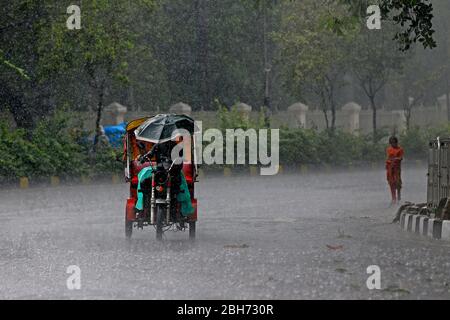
x,y
138,163
181,190
142,150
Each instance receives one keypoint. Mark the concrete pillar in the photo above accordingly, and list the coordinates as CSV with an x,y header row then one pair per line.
x,y
399,121
116,113
442,102
298,112
181,108
244,110
352,111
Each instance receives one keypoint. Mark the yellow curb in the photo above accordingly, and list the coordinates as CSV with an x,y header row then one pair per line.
x,y
280,169
54,181
24,183
201,174
115,179
303,169
253,171
226,172
85,180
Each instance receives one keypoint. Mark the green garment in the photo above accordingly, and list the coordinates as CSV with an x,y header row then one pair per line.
x,y
184,197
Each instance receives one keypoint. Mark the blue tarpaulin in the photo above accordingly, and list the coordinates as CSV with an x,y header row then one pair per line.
x,y
115,134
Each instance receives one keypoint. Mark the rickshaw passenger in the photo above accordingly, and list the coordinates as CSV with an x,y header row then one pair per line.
x,y
138,165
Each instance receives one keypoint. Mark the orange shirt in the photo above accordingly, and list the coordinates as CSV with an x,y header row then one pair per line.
x,y
394,155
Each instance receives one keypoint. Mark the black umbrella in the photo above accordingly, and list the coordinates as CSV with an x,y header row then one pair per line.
x,y
163,128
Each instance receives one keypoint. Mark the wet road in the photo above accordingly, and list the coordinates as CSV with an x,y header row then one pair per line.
x,y
285,237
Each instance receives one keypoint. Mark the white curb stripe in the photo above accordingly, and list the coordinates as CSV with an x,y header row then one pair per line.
x,y
445,230
406,222
437,232
422,225
431,227
415,224
402,220
409,222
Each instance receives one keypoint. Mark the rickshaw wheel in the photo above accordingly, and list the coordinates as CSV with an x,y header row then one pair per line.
x,y
128,229
192,230
159,222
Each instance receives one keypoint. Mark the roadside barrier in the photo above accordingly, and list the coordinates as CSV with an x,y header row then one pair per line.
x,y
252,170
280,169
303,169
54,181
425,226
201,173
24,183
226,172
85,180
115,179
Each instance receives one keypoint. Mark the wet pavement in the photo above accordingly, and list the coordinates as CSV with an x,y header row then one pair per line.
x,y
286,237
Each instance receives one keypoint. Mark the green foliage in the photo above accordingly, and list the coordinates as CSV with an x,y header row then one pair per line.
x,y
307,146
57,147
415,142
19,71
414,16
18,157
60,153
105,161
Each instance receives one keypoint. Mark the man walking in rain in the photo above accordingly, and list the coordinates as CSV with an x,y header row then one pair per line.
x,y
394,159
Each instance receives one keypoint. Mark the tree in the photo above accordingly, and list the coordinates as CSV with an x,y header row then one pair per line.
x,y
441,55
25,91
375,56
415,80
415,19
202,12
313,55
101,48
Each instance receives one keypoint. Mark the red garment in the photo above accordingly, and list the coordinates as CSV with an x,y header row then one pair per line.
x,y
393,166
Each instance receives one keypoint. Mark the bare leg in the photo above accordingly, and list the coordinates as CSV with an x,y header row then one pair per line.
x,y
393,193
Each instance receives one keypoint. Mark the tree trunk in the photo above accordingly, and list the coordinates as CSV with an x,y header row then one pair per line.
x,y
267,68
327,122
22,114
101,94
408,118
333,117
22,117
374,117
447,95
203,54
